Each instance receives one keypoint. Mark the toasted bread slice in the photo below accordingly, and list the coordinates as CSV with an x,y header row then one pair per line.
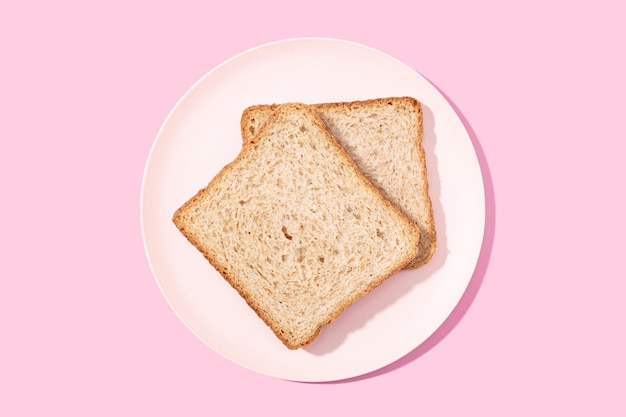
x,y
294,226
384,137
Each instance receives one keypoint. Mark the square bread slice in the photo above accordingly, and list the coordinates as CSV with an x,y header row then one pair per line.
x,y
294,226
384,137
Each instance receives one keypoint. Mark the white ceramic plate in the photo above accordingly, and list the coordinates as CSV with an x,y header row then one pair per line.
x,y
201,135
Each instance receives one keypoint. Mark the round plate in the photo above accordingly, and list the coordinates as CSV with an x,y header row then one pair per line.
x,y
202,134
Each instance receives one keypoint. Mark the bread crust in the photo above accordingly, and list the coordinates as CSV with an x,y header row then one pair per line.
x,y
208,248
253,118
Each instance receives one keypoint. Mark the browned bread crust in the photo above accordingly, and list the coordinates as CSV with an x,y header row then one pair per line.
x,y
384,137
296,228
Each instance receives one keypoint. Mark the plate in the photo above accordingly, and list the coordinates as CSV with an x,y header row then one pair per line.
x,y
202,134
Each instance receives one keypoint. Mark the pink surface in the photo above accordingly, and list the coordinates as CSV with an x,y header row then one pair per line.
x,y
83,91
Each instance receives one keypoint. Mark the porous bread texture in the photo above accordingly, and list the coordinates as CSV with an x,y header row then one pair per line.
x,y
384,137
295,227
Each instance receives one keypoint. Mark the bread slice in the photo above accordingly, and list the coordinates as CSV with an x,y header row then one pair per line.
x,y
295,227
384,137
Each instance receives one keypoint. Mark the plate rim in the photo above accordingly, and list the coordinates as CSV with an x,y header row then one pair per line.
x,y
184,98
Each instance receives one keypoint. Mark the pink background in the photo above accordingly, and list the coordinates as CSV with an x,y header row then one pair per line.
x,y
84,89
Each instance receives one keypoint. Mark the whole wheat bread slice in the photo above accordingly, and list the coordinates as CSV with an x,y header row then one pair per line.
x,y
384,137
294,226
